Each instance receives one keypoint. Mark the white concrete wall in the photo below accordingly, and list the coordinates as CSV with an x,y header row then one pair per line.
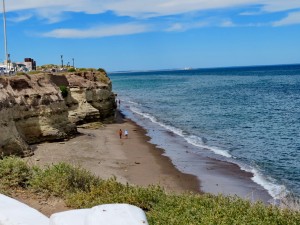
x,y
13,212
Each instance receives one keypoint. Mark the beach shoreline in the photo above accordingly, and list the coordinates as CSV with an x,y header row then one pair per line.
x,y
132,160
215,175
136,161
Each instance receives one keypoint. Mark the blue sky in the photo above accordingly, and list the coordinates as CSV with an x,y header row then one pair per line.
x,y
158,34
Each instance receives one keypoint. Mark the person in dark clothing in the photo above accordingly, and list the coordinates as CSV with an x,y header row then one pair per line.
x,y
120,133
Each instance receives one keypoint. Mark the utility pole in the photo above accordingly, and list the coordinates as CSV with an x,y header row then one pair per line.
x,y
5,36
62,61
73,62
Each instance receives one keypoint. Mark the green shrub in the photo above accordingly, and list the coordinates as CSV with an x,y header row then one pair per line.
x,y
14,172
102,77
81,189
62,178
72,70
64,91
21,73
210,209
111,191
101,70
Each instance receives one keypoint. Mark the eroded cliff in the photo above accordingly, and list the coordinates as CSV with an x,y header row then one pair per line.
x,y
32,108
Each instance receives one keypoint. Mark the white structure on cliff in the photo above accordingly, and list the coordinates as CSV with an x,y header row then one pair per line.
x,y
29,64
9,67
13,212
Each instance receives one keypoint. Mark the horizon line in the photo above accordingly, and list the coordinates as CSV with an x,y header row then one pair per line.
x,y
201,68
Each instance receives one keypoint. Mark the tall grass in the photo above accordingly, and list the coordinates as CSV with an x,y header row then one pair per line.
x,y
80,189
111,191
61,179
14,173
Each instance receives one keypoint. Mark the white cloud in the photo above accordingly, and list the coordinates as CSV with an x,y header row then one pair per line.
x,y
280,5
203,23
145,8
142,10
20,18
101,31
227,23
176,27
291,19
153,8
51,15
257,24
187,26
250,13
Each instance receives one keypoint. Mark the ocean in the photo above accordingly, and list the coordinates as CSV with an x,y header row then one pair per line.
x,y
249,116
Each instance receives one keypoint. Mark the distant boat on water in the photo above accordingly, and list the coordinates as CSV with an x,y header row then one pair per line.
x,y
187,68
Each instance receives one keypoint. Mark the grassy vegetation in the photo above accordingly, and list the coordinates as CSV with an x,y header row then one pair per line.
x,y
102,77
64,91
92,125
101,74
34,72
80,189
101,70
21,73
72,70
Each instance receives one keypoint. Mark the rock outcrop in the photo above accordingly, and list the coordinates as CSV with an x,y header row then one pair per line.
x,y
32,108
89,98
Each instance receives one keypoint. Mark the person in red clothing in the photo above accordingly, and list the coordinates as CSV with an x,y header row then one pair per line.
x,y
120,133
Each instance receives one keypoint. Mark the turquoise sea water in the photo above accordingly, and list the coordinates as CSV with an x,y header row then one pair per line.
x,y
246,115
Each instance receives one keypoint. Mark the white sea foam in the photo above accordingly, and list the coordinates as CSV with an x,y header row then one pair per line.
x,y
243,124
172,129
197,141
145,115
191,139
220,152
133,103
154,120
275,190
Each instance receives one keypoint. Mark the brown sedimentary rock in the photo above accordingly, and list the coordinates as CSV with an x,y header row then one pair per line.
x,y
32,108
90,96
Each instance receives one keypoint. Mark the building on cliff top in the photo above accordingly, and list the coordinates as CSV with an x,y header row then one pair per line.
x,y
29,64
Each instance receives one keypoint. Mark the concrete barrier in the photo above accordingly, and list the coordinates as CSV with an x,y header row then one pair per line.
x,y
13,212
109,214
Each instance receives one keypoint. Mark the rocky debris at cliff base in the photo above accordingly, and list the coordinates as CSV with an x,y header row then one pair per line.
x,y
93,125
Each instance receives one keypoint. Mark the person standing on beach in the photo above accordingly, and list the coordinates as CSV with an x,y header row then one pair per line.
x,y
126,133
120,133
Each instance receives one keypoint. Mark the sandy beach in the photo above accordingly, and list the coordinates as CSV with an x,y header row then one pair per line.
x,y
133,159
136,161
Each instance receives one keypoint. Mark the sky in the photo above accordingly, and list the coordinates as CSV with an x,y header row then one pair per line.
x,y
121,35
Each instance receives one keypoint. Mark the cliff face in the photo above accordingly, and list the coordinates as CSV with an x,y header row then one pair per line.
x,y
32,108
89,98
